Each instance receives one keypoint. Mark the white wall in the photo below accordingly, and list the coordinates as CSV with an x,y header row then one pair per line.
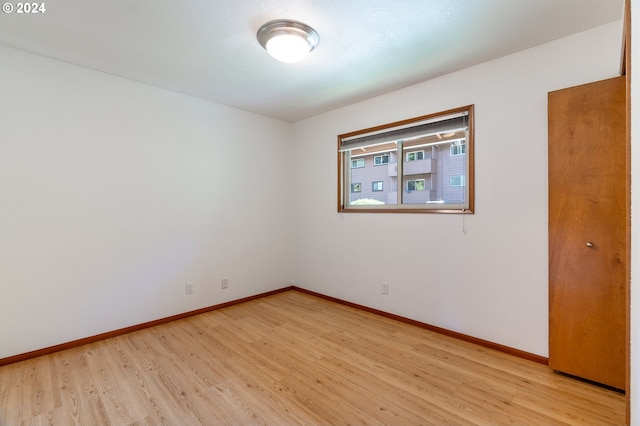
x,y
492,282
114,194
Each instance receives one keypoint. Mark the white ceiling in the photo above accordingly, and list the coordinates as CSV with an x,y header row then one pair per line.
x,y
208,48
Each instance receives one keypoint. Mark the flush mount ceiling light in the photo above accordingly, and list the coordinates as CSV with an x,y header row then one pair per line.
x,y
288,41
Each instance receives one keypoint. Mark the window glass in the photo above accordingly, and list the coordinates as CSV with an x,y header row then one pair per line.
x,y
415,185
458,148
381,159
415,156
456,180
424,164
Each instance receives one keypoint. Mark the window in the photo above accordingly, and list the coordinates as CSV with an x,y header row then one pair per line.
x,y
415,155
430,162
456,180
458,148
379,160
415,185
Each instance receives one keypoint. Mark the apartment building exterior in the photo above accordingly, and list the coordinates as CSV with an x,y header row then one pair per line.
x,y
431,174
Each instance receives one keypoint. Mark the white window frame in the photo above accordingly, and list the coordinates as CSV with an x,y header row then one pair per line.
x,y
381,163
462,180
415,181
358,162
457,148
408,154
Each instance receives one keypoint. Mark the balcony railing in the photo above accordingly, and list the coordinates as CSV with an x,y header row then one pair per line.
x,y
418,167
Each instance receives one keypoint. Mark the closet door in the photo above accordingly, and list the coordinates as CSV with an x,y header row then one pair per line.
x,y
587,231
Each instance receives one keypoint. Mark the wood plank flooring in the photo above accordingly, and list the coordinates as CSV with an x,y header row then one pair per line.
x,y
289,359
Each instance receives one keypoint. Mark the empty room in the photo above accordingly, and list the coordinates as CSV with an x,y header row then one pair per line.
x,y
287,212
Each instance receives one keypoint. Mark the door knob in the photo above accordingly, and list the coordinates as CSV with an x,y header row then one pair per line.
x,y
589,244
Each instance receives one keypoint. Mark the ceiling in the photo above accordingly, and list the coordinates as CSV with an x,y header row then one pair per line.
x,y
208,48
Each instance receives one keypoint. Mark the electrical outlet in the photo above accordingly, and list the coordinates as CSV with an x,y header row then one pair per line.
x,y
385,288
224,283
189,288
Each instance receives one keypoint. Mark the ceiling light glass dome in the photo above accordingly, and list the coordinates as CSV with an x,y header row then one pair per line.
x,y
288,41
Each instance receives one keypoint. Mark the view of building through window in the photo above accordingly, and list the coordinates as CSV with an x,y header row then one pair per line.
x,y
419,180
424,166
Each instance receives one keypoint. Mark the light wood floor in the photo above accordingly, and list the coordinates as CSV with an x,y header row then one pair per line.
x,y
288,359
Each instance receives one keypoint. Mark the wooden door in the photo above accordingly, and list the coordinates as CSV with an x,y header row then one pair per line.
x,y
588,205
